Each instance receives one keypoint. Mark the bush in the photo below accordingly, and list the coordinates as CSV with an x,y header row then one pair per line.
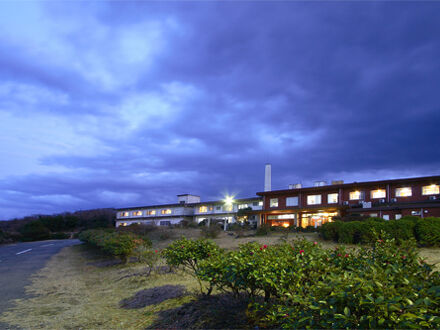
x,y
34,231
188,254
427,231
212,231
59,236
330,230
305,286
117,244
263,230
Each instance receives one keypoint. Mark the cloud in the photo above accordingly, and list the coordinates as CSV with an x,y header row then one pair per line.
x,y
113,104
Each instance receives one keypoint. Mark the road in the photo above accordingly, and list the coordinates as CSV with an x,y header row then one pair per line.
x,y
19,261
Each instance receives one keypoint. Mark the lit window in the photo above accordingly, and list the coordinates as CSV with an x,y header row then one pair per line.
x,y
166,211
274,202
398,216
124,214
433,189
356,195
228,208
313,199
260,203
137,213
378,193
243,206
332,198
211,208
152,212
403,192
373,215
386,217
203,209
292,201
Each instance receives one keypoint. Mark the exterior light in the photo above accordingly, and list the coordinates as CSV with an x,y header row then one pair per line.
x,y
229,200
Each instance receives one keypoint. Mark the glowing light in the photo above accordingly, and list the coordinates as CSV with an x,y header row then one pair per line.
x,y
229,200
286,224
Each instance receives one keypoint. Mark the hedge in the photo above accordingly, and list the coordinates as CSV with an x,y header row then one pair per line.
x,y
117,244
426,231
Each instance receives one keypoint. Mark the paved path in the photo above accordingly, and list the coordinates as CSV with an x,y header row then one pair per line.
x,y
19,261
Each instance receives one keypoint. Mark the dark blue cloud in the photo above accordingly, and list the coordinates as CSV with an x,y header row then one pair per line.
x,y
112,104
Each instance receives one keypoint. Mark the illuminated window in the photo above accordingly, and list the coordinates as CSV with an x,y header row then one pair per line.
x,y
124,224
228,208
403,192
274,202
211,208
203,209
124,214
260,203
243,206
356,195
152,212
398,216
378,193
137,213
386,217
433,189
292,201
313,199
166,211
332,198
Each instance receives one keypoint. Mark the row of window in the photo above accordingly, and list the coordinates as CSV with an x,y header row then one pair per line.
x,y
148,212
228,208
357,195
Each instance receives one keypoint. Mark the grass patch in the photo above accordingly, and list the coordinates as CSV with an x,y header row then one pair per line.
x,y
81,288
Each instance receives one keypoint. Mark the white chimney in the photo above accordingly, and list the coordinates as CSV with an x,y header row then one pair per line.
x,y
268,178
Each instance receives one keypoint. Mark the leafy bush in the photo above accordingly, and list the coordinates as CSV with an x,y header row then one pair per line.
x,y
145,255
386,286
330,230
212,231
34,231
263,230
427,231
188,254
59,236
117,244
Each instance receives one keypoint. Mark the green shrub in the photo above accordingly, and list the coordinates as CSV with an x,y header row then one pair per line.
x,y
34,231
188,254
263,230
427,231
59,236
212,231
114,243
305,286
330,230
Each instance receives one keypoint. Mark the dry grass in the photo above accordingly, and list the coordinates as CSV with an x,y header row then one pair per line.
x,y
73,292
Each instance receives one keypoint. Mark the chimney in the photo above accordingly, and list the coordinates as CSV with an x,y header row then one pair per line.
x,y
268,178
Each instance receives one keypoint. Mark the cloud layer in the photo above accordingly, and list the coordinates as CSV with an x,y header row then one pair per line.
x,y
110,104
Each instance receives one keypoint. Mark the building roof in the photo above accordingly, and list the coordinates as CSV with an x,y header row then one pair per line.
x,y
186,204
434,179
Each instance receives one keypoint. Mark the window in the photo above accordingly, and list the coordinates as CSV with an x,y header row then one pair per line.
x,y
203,209
273,202
356,195
228,208
378,193
373,215
165,223
166,211
255,204
243,206
386,217
292,201
398,216
152,212
260,203
137,213
332,198
211,208
403,192
124,214
433,189
416,213
218,208
124,224
313,199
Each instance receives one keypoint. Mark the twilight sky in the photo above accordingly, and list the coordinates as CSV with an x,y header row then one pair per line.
x,y
116,104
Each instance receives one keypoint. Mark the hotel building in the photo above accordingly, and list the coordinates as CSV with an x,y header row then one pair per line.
x,y
189,208
387,199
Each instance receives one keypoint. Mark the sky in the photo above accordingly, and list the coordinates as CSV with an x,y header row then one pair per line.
x,y
118,104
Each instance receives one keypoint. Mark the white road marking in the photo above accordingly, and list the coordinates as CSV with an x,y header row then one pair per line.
x,y
47,245
23,251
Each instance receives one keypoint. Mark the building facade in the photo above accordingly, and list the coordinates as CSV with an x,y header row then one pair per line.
x,y
388,199
189,208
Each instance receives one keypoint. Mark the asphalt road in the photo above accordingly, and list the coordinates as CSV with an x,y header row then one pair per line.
x,y
19,261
